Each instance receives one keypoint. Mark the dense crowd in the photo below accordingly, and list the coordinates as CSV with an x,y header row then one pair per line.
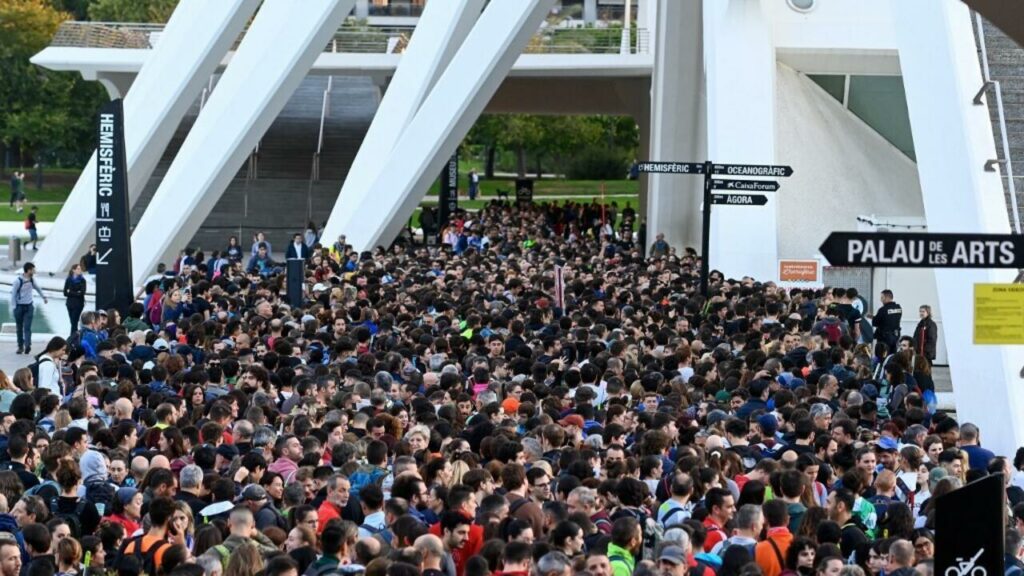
x,y
538,393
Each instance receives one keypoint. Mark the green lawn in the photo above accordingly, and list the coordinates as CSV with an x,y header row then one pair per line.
x,y
47,213
550,187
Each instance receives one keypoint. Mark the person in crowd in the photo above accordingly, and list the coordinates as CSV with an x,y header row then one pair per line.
x,y
74,294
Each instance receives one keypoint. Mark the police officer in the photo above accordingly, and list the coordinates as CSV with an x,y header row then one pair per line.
x,y
887,322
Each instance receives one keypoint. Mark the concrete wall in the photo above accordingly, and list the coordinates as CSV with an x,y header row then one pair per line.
x,y
844,169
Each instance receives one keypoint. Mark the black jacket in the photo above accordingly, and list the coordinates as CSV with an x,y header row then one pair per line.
x,y
925,336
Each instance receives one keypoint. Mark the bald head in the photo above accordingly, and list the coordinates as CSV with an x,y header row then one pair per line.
x,y
160,461
429,546
140,465
123,409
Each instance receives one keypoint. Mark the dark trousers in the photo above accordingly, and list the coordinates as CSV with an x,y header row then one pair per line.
x,y
75,308
23,314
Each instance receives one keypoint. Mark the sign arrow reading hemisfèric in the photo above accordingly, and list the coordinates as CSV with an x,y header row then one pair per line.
x,y
670,167
745,185
739,199
101,260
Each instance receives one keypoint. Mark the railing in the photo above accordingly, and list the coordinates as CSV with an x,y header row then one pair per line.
x,y
998,91
369,40
396,10
106,35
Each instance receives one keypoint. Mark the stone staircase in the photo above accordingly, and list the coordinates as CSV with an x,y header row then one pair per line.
x,y
282,198
1006,65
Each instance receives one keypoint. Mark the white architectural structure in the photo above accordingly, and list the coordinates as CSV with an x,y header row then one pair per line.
x,y
732,81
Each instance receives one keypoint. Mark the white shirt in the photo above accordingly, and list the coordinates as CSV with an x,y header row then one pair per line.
x,y
49,375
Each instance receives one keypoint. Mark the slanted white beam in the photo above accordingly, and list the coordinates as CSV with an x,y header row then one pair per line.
x,y
439,33
196,38
454,104
273,58
952,141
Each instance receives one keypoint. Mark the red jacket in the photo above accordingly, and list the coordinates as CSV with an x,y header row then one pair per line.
x,y
470,549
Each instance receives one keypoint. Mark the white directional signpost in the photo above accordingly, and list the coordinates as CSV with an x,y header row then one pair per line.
x,y
733,192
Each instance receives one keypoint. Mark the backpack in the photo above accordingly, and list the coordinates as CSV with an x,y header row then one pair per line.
x,y
833,332
35,490
381,531
516,506
224,554
74,519
155,311
101,494
146,559
653,534
34,368
363,477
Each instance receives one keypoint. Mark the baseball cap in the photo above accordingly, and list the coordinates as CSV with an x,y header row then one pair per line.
x,y
769,424
254,492
673,554
886,444
126,494
160,344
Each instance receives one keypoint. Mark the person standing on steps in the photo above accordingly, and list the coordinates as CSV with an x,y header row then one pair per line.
x,y
23,307
887,321
74,292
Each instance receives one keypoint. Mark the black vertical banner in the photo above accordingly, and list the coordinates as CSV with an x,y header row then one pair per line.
x,y
524,191
969,526
295,280
448,197
113,243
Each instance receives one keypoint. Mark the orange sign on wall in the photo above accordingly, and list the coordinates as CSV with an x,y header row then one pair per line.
x,y
800,271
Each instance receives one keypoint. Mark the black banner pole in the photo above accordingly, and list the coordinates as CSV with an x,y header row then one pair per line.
x,y
705,243
113,242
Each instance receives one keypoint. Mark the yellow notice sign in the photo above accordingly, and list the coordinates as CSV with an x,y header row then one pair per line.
x,y
999,313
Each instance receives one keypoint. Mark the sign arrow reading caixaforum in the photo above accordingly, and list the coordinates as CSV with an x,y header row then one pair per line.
x,y
745,185
923,250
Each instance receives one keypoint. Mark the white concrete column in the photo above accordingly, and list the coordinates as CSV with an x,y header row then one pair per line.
x,y
590,11
362,9
740,66
454,104
192,45
677,124
439,33
953,140
277,52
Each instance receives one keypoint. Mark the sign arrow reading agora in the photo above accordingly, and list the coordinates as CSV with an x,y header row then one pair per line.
x,y
923,250
745,185
739,199
671,167
753,170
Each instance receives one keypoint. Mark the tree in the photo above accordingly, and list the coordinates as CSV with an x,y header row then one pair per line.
x,y
43,111
131,10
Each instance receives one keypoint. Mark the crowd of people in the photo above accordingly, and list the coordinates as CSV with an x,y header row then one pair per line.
x,y
465,409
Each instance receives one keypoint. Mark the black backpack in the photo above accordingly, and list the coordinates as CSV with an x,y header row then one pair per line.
x,y
74,519
34,367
